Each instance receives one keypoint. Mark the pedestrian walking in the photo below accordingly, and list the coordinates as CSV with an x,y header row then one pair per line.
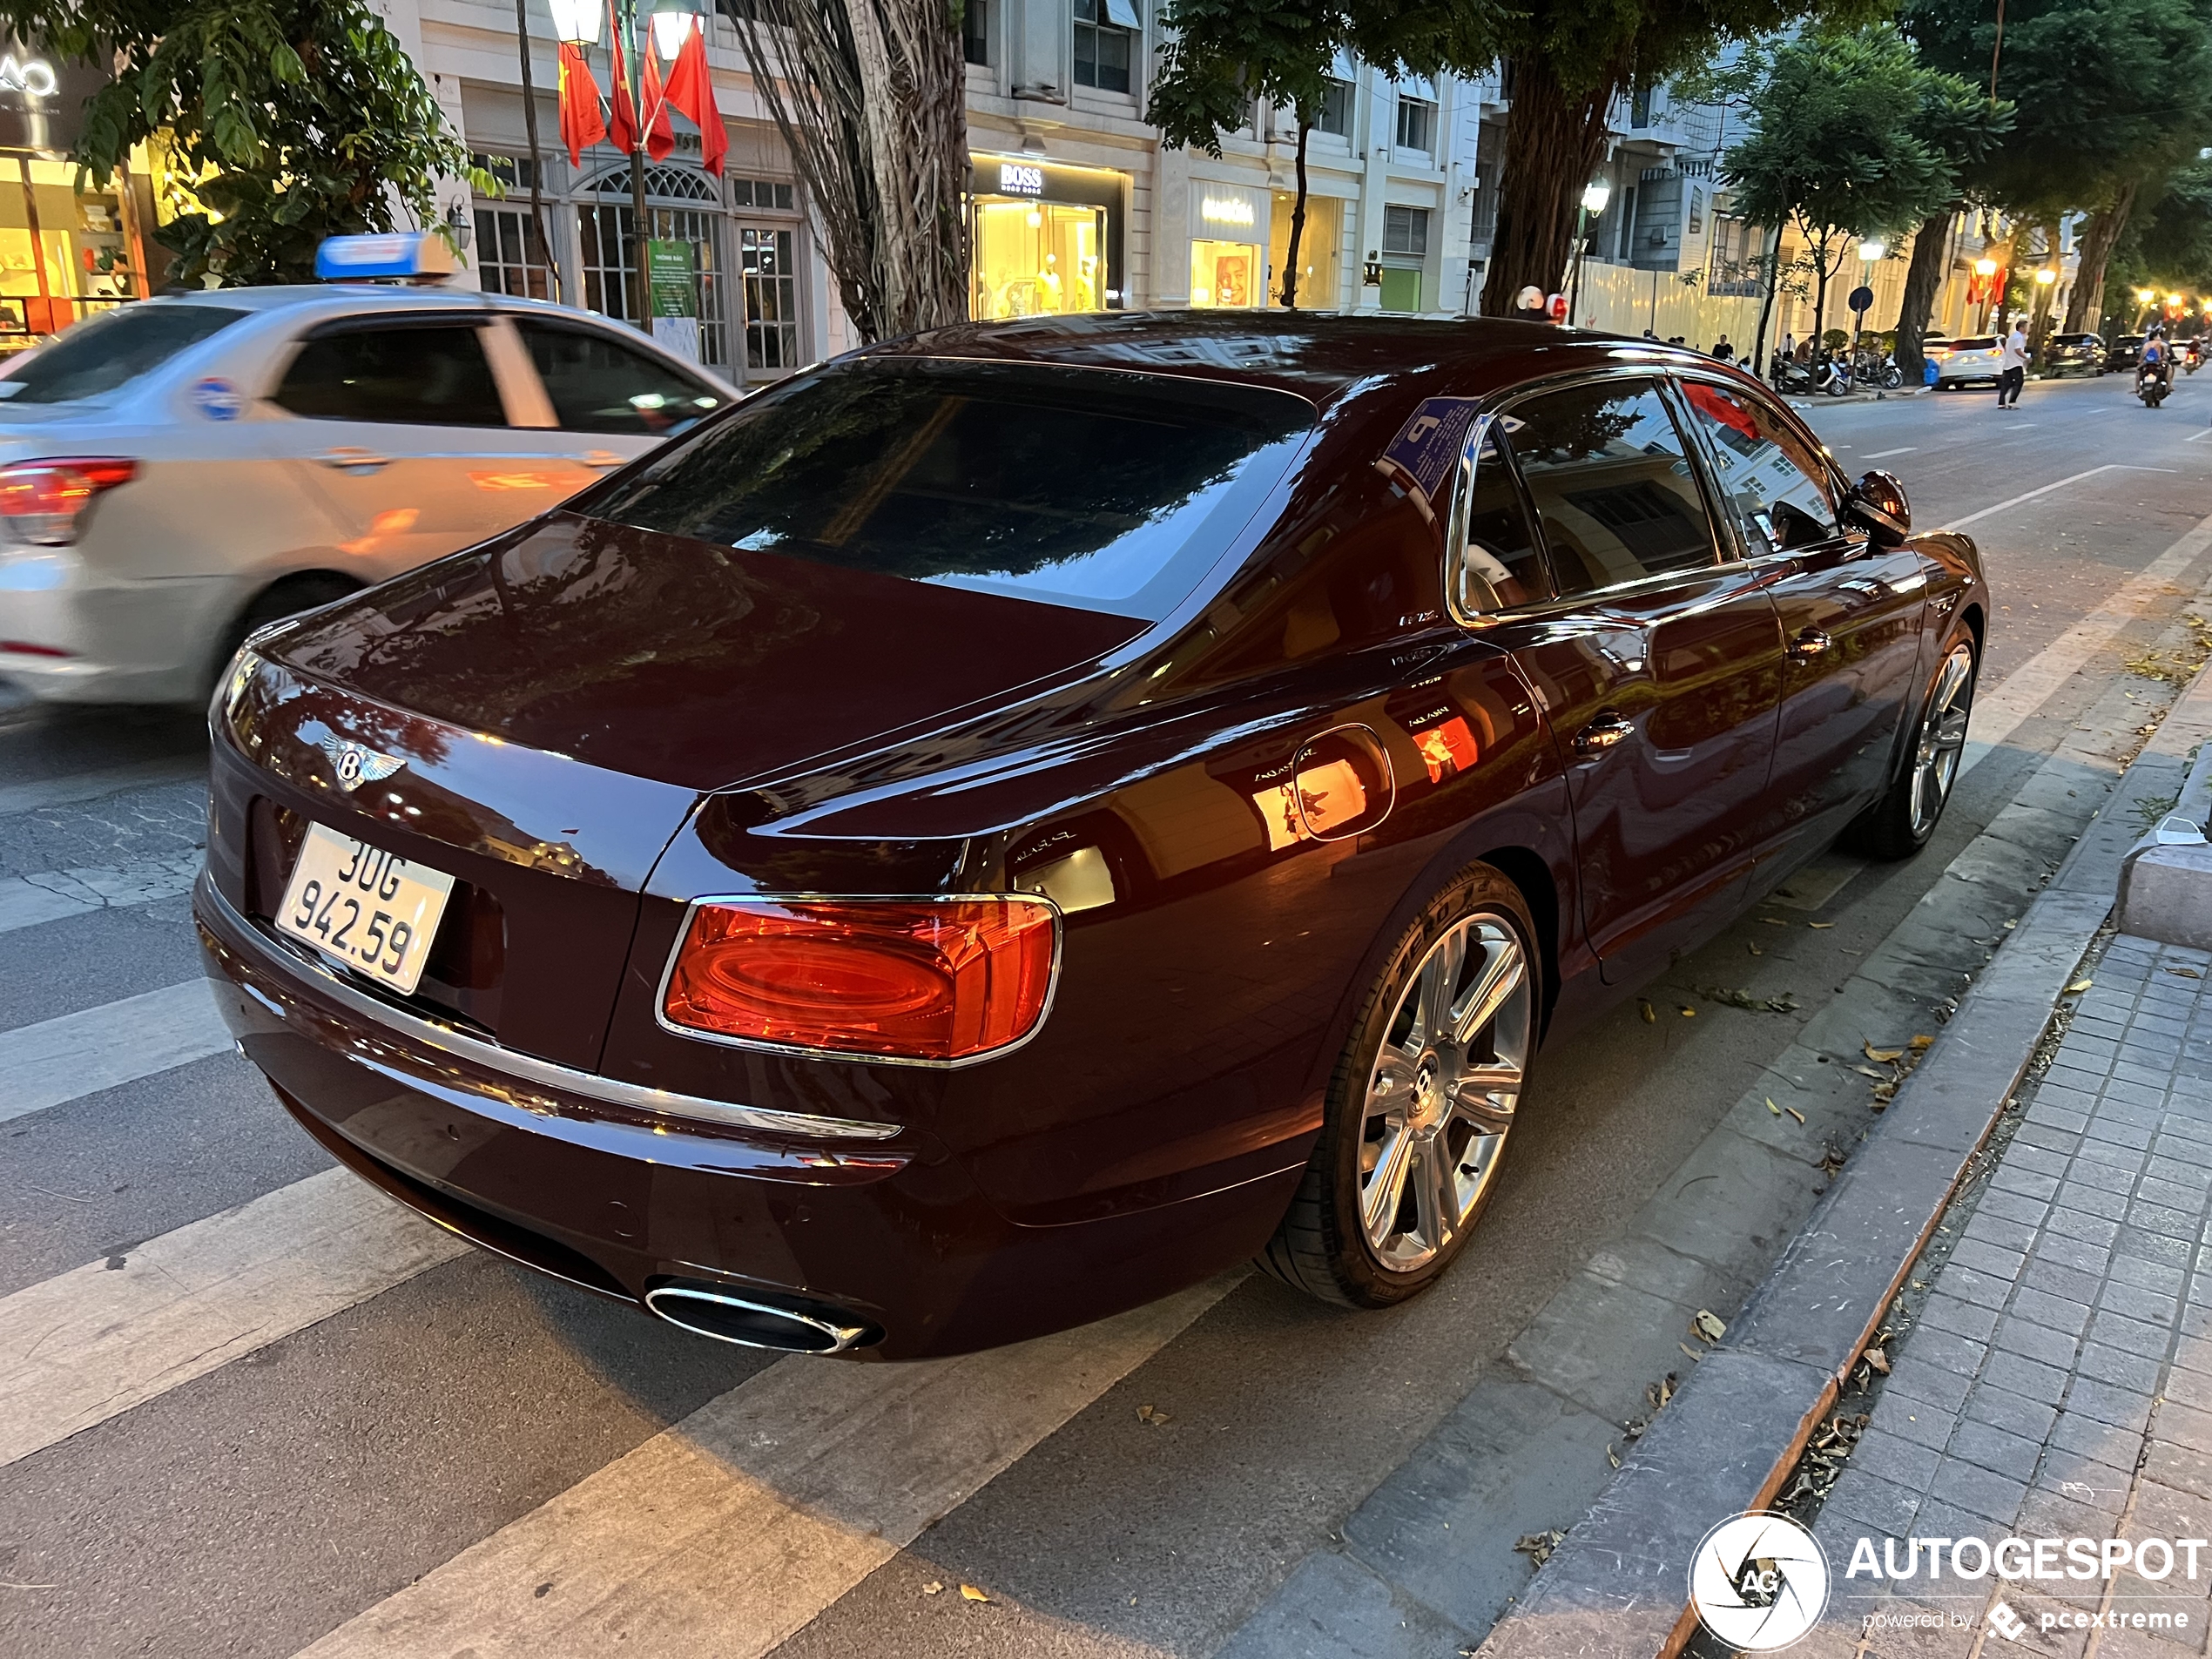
x,y
1723,352
2012,367
1789,345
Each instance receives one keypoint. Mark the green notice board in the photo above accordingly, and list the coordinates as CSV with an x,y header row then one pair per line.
x,y
669,276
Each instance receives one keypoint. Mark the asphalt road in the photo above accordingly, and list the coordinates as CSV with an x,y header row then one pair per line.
x,y
244,1409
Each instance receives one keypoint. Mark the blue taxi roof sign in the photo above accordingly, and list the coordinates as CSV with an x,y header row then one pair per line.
x,y
401,255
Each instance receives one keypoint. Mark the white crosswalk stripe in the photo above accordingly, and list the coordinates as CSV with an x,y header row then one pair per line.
x,y
27,900
81,1347
75,1055
730,1531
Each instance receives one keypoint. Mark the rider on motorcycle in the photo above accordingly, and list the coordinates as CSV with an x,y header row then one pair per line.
x,y
2157,359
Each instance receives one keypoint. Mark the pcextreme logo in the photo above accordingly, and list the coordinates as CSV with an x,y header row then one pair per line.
x,y
1758,1582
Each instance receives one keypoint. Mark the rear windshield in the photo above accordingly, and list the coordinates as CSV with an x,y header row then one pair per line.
x,y
1979,343
1104,490
107,351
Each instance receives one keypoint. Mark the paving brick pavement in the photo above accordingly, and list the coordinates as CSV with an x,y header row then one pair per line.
x,y
2059,1381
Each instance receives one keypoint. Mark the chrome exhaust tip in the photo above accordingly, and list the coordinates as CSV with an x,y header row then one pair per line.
x,y
709,1310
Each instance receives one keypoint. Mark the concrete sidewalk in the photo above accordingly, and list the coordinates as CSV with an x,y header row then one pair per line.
x,y
2057,1382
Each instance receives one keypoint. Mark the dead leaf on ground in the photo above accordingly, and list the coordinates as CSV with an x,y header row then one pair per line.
x,y
1885,1093
1650,1016
1881,1055
969,1593
1691,1352
1774,922
1689,1013
1771,1107
1611,1456
1879,1361
1151,1415
1795,1113
1869,1071
933,1588
1754,949
1921,1045
2079,985
1819,926
1537,1546
1708,1325
2185,973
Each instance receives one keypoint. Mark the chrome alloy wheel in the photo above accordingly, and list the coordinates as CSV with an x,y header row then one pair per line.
x,y
1942,735
1441,1094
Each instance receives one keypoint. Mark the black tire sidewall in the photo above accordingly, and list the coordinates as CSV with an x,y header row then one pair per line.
x,y
1479,889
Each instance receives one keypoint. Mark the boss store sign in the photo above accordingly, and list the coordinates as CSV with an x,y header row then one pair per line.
x,y
1047,238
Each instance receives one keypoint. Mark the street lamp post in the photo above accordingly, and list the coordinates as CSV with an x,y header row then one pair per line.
x,y
1870,255
2046,290
1595,194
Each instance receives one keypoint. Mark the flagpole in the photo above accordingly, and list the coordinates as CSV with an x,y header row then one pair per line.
x,y
639,219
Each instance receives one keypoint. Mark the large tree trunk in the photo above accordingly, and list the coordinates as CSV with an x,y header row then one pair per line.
x,y
1297,219
2085,306
537,160
1923,279
1821,273
871,98
1554,137
1773,266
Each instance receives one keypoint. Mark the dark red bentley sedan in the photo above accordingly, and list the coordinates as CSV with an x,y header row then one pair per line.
x,y
1013,820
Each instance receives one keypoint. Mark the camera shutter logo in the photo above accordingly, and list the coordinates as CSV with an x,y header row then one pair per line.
x,y
1758,1582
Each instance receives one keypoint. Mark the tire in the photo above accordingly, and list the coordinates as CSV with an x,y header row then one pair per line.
x,y
1899,824
1431,1118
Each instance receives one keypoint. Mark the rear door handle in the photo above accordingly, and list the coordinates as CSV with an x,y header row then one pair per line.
x,y
353,460
1603,733
1809,644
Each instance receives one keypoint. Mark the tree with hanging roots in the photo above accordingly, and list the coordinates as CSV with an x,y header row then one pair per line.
x,y
871,98
286,121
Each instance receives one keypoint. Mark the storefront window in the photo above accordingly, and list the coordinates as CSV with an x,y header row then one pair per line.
x,y
1047,239
62,256
1317,250
1227,274
607,243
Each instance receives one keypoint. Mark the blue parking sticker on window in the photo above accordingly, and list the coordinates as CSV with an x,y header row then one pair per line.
x,y
217,399
1420,458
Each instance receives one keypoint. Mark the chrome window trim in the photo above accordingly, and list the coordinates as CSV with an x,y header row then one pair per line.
x,y
847,1056
635,1096
1658,371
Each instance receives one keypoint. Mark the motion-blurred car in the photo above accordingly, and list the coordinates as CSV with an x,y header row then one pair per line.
x,y
1019,819
177,472
1965,360
2075,354
2125,351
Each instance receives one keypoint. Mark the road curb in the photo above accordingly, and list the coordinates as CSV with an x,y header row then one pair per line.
x,y
1616,1585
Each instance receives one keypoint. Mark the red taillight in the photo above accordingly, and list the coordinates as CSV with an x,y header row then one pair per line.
x,y
44,501
25,648
897,979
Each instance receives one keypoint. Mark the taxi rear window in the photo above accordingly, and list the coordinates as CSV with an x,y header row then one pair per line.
x,y
111,350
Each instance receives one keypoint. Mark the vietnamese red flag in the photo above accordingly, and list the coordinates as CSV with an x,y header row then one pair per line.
x,y
622,112
660,134
690,90
580,124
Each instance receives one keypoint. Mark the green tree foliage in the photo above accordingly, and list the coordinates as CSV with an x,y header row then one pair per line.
x,y
2111,95
2168,246
1220,55
294,120
1854,136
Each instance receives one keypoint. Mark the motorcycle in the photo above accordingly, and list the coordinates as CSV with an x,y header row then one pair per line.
x,y
1790,376
2192,354
1831,375
2153,382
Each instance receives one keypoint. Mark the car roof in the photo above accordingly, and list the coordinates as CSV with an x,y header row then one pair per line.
x,y
343,296
1322,356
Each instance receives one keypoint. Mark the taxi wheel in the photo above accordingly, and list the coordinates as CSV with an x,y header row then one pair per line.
x,y
284,598
1422,1103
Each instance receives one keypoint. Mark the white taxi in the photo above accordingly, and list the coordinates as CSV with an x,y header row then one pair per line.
x,y
177,472
1960,362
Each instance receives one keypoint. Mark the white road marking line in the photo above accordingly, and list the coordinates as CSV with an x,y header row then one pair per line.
x,y
90,786
26,901
2000,711
90,1344
1884,454
74,1055
2029,495
728,1532
2198,437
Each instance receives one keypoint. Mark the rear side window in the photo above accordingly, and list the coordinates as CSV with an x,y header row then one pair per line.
x,y
395,373
1611,481
601,385
112,350
1499,566
1770,477
1076,487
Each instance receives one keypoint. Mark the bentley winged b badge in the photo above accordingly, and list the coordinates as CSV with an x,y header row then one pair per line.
x,y
355,765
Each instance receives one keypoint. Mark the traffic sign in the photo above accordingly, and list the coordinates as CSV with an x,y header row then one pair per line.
x,y
1862,297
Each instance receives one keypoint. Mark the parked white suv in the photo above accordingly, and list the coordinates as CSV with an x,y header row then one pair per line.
x,y
1958,361
176,472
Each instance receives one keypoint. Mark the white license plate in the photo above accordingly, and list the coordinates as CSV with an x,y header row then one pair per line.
x,y
365,908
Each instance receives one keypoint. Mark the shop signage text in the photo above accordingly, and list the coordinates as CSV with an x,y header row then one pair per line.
x,y
1225,209
1019,179
33,77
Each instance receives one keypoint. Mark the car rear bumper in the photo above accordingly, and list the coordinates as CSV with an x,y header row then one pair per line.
x,y
96,641
888,1232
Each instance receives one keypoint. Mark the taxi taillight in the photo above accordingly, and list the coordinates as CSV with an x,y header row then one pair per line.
x,y
916,980
44,502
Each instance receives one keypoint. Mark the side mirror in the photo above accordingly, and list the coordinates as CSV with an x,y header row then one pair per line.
x,y
1877,505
